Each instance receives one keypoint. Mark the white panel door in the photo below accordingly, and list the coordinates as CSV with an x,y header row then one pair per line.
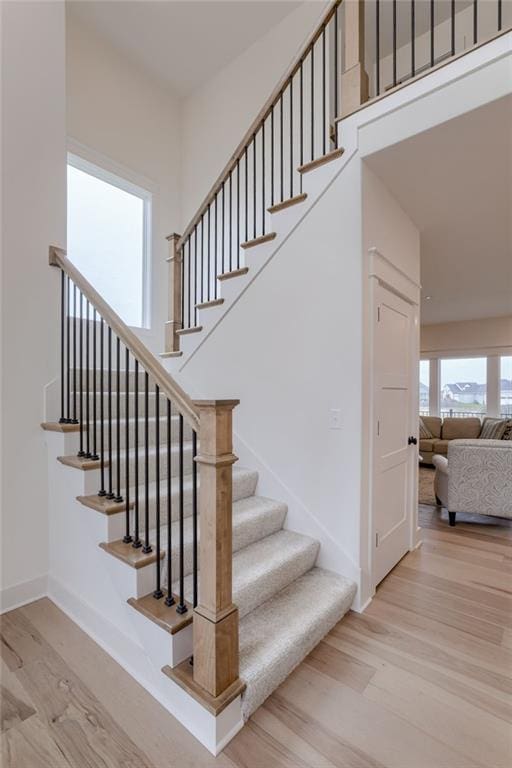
x,y
392,375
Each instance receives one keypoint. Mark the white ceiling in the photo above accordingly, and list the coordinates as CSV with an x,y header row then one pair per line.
x,y
181,42
455,183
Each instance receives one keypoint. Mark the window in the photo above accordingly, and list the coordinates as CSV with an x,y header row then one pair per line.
x,y
463,387
108,237
424,387
506,386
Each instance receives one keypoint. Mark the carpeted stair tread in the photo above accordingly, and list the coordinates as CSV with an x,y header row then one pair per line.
x,y
264,568
280,634
254,518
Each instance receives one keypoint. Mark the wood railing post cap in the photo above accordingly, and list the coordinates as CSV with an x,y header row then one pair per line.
x,y
173,236
216,404
53,255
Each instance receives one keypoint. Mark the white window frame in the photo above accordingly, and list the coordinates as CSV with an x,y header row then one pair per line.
x,y
121,182
493,361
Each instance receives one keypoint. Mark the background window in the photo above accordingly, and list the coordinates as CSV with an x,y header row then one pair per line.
x,y
463,387
108,236
506,386
424,387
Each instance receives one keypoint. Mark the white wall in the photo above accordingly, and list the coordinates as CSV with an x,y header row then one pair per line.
x,y
493,334
131,124
387,227
216,116
33,216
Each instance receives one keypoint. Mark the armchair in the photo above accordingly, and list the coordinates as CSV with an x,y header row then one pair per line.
x,y
476,478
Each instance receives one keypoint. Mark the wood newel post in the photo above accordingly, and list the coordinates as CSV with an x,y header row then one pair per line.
x,y
354,80
215,617
173,324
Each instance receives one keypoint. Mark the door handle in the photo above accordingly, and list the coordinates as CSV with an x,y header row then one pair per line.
x,y
412,441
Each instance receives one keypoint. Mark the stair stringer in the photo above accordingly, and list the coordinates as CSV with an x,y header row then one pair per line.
x,y
92,588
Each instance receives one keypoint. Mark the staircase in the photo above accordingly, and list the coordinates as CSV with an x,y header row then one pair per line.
x,y
151,471
201,589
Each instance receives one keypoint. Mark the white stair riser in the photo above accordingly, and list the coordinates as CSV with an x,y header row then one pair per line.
x,y
187,431
122,404
244,485
154,456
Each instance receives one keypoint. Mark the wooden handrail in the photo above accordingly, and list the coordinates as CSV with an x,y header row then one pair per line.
x,y
151,365
260,117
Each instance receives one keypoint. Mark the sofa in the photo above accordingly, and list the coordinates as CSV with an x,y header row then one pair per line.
x,y
476,477
443,431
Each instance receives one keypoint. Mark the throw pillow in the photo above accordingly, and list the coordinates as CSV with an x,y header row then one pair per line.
x,y
507,435
493,429
425,433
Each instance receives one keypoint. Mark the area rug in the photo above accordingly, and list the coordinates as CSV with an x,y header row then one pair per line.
x,y
426,486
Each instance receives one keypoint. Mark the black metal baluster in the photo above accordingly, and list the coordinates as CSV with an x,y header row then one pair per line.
x,y
432,52
127,537
500,15
291,138
324,130
238,214
209,245
301,117
169,600
216,245
68,356
246,196
263,178
147,546
81,451
254,184
94,455
183,285
453,27
377,46
281,145
62,419
136,534
202,259
102,491
230,220
181,607
190,280
394,42
110,494
74,420
413,38
194,515
158,591
475,21
272,155
313,102
87,375
118,498
195,275
335,74
222,238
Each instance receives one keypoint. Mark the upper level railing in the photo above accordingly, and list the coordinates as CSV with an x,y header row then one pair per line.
x,y
407,38
148,440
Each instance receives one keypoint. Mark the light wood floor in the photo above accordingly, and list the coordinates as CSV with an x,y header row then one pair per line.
x,y
422,679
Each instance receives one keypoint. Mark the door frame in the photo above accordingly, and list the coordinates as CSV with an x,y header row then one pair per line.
x,y
382,271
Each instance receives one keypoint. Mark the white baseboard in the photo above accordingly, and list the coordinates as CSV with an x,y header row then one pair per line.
x,y
21,594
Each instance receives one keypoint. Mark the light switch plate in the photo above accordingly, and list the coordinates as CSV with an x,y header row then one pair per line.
x,y
335,418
